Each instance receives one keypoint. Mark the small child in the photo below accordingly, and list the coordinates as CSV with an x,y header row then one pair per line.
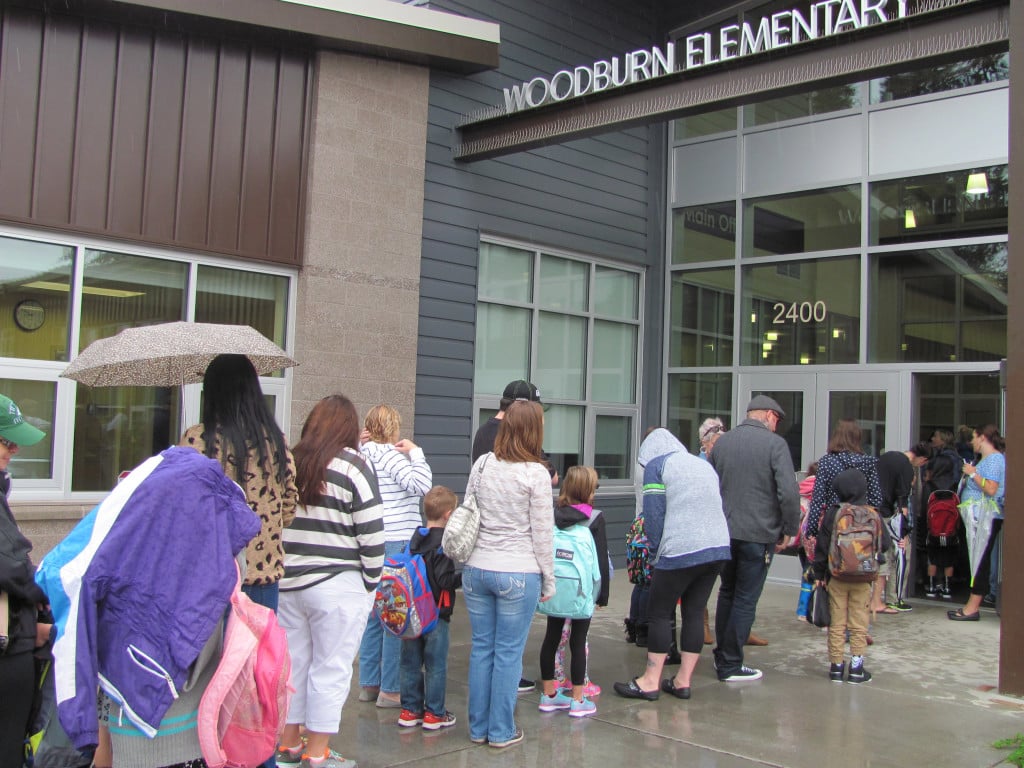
x,y
848,600
423,670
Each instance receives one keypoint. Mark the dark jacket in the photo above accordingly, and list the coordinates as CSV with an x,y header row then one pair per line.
x,y
944,471
829,467
17,578
851,487
895,476
569,516
440,569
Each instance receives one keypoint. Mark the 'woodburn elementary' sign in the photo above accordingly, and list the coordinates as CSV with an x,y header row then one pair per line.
x,y
732,41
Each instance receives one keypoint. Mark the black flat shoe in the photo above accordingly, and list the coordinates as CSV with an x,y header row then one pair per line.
x,y
959,615
631,690
668,685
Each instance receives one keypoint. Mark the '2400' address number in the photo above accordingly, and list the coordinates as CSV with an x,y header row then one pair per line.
x,y
799,312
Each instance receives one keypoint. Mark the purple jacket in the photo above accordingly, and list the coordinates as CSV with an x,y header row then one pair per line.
x,y
148,589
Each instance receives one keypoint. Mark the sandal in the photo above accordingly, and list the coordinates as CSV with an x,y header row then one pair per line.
x,y
959,615
887,610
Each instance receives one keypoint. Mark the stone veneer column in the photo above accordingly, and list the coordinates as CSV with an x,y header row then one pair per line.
x,y
358,291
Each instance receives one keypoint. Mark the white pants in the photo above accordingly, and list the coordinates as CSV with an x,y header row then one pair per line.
x,y
325,624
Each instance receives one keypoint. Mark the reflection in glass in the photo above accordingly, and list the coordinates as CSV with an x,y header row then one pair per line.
x,y
823,219
867,409
701,318
563,436
804,104
939,305
505,273
704,233
948,400
718,121
561,355
502,347
942,77
616,293
693,397
37,401
122,291
234,297
613,373
940,205
35,284
801,313
613,446
562,284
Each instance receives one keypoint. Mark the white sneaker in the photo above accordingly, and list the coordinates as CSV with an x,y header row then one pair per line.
x,y
743,675
333,760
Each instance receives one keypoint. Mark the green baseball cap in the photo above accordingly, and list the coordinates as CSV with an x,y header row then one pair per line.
x,y
13,426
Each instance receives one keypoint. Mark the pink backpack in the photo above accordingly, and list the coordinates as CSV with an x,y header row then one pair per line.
x,y
243,709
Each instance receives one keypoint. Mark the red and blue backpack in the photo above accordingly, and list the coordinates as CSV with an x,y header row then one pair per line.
x,y
404,602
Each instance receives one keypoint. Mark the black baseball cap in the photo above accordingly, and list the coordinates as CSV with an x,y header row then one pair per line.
x,y
521,390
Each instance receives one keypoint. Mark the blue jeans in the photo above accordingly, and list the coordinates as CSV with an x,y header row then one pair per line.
x,y
500,607
425,671
380,652
742,581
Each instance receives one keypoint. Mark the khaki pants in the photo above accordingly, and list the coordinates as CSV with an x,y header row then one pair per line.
x,y
848,601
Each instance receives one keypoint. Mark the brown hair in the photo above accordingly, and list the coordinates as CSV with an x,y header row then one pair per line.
x,y
437,502
578,486
383,423
521,433
846,437
991,433
331,427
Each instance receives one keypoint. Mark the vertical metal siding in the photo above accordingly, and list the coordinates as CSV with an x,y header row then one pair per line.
x,y
155,135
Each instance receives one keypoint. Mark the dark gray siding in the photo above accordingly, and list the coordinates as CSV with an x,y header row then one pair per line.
x,y
602,196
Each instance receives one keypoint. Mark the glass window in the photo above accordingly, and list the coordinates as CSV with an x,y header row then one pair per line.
x,y
939,305
948,400
613,375
561,356
236,297
502,346
693,397
506,274
563,436
791,428
805,104
616,293
868,409
820,220
942,77
701,315
962,203
37,401
613,446
35,288
704,233
706,124
812,318
562,284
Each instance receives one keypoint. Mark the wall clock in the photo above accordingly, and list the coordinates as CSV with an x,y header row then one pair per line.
x,y
29,315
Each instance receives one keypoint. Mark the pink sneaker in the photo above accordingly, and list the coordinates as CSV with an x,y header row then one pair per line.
x,y
589,690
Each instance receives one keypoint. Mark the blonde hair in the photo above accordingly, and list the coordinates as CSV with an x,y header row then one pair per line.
x,y
439,501
578,486
383,423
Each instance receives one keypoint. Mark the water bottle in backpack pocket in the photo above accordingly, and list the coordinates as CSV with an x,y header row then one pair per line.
x,y
577,574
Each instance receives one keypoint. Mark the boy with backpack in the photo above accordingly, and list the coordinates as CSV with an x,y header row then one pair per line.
x,y
851,540
423,670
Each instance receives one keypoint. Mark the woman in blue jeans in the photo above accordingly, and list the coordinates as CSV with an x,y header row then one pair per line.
x,y
510,569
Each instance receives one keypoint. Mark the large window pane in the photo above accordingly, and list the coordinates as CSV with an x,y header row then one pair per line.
x,y
867,409
824,219
613,447
506,274
704,233
616,293
35,284
940,205
701,311
561,356
718,121
502,346
942,77
563,284
234,297
803,312
37,401
121,291
949,400
805,104
563,436
613,374
939,305
693,397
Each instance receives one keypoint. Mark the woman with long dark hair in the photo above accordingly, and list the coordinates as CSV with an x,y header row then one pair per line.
x,y
239,431
987,478
334,553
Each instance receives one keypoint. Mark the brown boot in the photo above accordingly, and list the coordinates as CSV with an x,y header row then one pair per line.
x,y
709,639
756,640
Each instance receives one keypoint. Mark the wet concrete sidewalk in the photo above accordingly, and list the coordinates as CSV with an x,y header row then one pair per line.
x,y
932,702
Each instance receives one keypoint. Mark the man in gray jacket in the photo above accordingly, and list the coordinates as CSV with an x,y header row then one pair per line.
x,y
762,506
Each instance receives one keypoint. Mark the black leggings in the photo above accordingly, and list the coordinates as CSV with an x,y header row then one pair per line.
x,y
17,682
691,585
577,649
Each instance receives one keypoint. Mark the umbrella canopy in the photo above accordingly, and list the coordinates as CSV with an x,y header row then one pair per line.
x,y
977,515
171,354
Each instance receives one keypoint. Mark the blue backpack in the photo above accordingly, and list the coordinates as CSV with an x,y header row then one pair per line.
x,y
404,602
577,573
